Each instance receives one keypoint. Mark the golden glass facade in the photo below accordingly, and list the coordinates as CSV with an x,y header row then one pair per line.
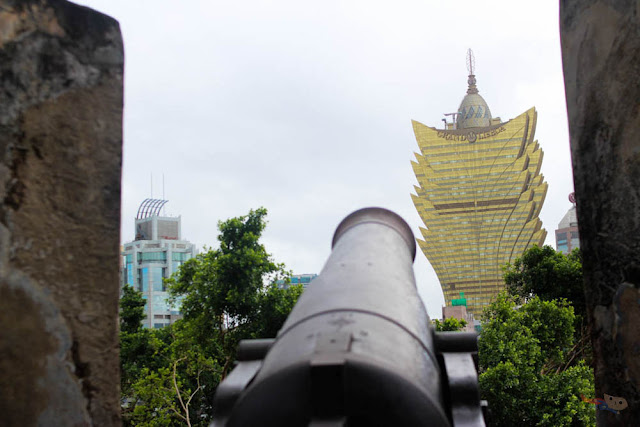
x,y
479,195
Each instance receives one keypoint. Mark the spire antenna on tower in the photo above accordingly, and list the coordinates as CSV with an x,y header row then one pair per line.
x,y
471,62
471,65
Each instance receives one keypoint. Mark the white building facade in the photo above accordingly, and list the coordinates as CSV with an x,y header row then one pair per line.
x,y
567,234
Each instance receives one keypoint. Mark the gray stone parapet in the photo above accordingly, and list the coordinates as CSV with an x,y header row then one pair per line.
x,y
61,68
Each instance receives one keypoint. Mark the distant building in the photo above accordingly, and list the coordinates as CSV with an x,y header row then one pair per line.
x,y
458,310
297,279
156,253
567,235
479,195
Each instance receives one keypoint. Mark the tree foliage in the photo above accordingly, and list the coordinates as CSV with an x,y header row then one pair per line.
x,y
223,292
549,274
227,294
525,373
131,309
170,388
137,345
274,306
450,324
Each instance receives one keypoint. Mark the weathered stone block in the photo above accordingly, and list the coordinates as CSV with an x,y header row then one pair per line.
x,y
61,77
601,57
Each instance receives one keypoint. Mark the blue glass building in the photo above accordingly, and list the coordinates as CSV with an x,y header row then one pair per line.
x,y
156,253
297,279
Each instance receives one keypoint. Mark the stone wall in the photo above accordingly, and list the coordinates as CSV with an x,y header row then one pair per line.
x,y
601,57
61,68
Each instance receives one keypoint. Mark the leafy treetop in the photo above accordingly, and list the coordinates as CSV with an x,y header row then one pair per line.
x,y
548,274
225,292
131,309
450,324
526,373
170,375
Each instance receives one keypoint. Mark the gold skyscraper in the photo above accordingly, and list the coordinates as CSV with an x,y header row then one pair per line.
x,y
480,193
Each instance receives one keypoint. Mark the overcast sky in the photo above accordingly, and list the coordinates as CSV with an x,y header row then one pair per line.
x,y
305,108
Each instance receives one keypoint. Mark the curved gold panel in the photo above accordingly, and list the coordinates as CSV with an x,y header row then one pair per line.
x,y
480,193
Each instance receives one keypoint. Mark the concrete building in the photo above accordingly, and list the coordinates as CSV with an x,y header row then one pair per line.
x,y
479,195
458,310
567,235
156,253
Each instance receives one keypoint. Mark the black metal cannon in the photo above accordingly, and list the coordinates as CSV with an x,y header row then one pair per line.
x,y
358,348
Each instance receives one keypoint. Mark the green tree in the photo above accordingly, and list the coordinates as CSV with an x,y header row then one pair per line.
x,y
273,308
131,309
137,345
170,389
226,295
525,374
450,324
549,274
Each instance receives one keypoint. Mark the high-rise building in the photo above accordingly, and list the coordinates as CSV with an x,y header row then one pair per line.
x,y
479,195
156,253
567,235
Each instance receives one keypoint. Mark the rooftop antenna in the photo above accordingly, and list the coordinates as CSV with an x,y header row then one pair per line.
x,y
471,67
164,211
151,185
471,62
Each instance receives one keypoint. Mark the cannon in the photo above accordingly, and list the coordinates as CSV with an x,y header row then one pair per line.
x,y
358,348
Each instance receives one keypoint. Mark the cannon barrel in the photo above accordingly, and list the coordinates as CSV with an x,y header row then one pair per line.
x,y
358,348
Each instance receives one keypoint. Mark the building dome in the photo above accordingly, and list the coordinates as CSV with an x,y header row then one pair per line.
x,y
473,111
570,219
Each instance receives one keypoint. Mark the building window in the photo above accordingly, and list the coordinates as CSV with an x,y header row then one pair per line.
x,y
144,279
159,305
152,257
180,256
157,284
129,274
